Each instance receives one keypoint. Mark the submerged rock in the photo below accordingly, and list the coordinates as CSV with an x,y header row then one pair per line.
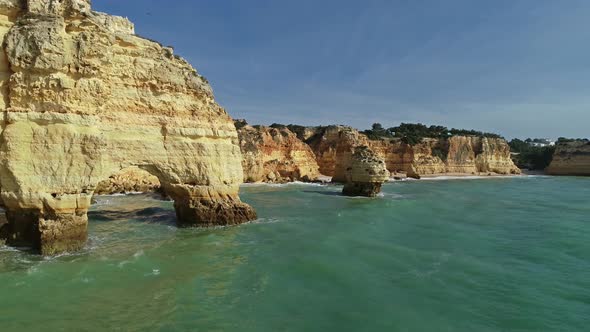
x,y
366,174
83,97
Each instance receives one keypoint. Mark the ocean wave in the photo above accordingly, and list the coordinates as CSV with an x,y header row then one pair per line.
x,y
469,177
130,193
264,221
281,185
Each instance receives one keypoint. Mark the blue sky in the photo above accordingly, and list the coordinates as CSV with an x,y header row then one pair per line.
x,y
519,68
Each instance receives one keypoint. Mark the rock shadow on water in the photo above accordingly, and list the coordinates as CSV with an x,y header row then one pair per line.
x,y
152,215
325,193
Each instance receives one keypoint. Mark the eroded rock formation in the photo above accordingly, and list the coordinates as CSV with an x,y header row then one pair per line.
x,y
571,158
333,147
275,155
366,173
455,155
84,97
129,180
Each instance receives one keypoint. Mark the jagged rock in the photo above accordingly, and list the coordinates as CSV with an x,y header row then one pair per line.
x,y
275,155
366,174
83,98
333,147
571,158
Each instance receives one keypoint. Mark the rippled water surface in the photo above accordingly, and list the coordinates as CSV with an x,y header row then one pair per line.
x,y
454,255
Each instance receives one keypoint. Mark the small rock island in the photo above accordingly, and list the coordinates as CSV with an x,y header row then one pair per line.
x,y
366,174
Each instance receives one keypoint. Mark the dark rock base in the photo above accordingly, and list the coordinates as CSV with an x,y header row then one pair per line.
x,y
202,212
361,189
49,234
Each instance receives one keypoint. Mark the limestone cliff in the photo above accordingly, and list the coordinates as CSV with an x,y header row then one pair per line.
x,y
366,173
333,147
128,180
571,158
275,155
84,97
457,154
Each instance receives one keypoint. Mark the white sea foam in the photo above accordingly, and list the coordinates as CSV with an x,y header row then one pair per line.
x,y
130,193
468,177
281,185
4,248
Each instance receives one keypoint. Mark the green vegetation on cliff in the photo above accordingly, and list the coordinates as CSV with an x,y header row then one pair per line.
x,y
527,156
413,133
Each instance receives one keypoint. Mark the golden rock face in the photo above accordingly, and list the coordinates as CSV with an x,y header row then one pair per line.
x,y
571,158
335,145
365,174
84,97
275,155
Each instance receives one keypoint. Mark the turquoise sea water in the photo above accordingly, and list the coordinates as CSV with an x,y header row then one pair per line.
x,y
456,255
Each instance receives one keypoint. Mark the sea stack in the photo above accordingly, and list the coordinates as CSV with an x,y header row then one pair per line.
x,y
366,174
84,97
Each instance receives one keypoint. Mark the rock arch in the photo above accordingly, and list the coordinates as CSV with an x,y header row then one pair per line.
x,y
83,97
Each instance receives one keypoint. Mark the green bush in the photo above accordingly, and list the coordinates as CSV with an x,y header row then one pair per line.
x,y
531,157
413,133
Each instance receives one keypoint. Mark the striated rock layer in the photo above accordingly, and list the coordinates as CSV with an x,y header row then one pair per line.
x,y
84,97
129,180
571,158
275,155
334,146
366,174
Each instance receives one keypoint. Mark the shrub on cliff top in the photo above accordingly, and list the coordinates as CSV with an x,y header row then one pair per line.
x,y
240,123
529,156
413,133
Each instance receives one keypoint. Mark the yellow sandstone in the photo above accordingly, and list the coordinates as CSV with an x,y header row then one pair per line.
x,y
83,98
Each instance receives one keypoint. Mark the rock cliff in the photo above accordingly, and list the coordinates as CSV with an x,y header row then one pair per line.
x,y
571,158
84,97
455,155
334,145
128,180
366,173
275,155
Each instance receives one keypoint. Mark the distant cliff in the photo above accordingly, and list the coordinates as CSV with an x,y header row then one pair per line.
x,y
333,146
572,157
275,155
279,154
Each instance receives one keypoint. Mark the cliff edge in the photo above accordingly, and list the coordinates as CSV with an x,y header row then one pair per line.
x,y
334,146
571,157
83,97
275,155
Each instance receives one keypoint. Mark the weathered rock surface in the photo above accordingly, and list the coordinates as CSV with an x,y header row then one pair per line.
x,y
129,180
333,147
366,173
571,158
275,155
83,98
455,155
